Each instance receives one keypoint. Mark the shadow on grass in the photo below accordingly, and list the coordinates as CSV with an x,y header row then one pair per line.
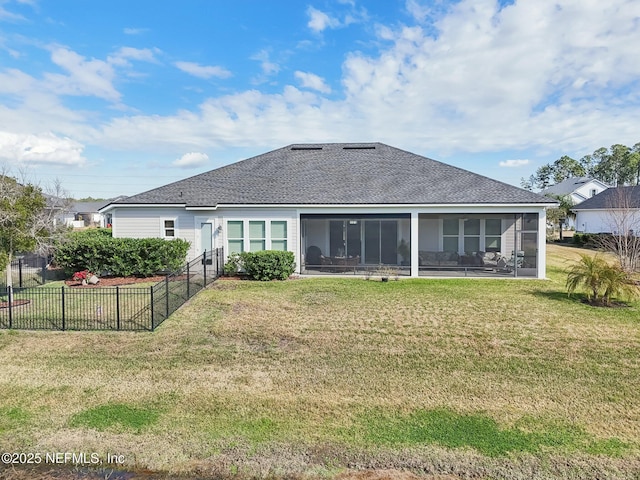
x,y
559,296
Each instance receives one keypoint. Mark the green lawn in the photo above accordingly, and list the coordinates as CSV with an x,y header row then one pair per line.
x,y
493,378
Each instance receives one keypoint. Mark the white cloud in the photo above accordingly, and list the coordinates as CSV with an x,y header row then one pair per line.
x,y
417,10
514,163
86,77
191,160
202,71
268,67
319,21
529,76
43,149
134,31
310,80
122,56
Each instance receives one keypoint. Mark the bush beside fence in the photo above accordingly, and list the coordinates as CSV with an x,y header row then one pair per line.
x,y
108,308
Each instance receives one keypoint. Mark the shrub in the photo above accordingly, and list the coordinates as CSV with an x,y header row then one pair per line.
x,y
601,280
264,265
122,257
234,264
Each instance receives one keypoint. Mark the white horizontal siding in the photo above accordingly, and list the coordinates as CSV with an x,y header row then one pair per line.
x,y
148,223
607,221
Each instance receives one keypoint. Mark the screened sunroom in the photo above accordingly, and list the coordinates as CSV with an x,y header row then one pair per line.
x,y
449,244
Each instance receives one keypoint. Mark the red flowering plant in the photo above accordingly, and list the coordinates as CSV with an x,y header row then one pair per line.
x,y
82,275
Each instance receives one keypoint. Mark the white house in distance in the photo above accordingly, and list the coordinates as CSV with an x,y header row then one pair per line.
x,y
578,188
616,210
349,208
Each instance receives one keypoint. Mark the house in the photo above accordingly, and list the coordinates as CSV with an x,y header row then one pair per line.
x,y
349,207
87,214
616,210
578,189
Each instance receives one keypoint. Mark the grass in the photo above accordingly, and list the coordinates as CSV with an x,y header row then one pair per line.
x,y
479,377
103,417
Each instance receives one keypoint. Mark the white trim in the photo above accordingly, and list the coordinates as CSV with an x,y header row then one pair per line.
x,y
111,206
415,244
311,208
196,209
404,206
542,245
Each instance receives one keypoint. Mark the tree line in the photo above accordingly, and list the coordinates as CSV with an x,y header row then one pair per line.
x,y
616,166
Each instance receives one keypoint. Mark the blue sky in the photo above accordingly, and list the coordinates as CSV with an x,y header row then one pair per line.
x,y
117,97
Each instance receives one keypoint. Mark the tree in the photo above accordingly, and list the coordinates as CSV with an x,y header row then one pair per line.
x,y
26,220
566,167
602,281
558,215
616,165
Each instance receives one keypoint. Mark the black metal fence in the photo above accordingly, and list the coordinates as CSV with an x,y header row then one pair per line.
x,y
27,271
107,308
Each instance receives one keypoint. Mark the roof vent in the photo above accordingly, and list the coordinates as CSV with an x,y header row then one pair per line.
x,y
302,147
360,147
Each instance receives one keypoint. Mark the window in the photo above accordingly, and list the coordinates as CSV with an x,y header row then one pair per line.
x,y
257,236
493,235
235,236
594,192
279,235
472,235
450,231
169,228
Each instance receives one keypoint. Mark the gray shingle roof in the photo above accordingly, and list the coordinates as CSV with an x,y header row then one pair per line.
x,y
612,198
344,173
567,186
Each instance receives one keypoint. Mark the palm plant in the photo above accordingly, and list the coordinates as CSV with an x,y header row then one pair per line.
x,y
601,280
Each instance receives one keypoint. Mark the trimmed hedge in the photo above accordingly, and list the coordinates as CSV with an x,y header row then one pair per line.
x,y
98,252
264,265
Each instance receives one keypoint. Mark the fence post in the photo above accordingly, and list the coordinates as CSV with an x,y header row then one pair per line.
x,y
63,312
204,266
117,307
44,270
152,307
166,283
10,301
188,282
20,272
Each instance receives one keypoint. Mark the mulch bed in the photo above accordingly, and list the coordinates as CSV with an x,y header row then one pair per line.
x,y
15,303
118,281
115,281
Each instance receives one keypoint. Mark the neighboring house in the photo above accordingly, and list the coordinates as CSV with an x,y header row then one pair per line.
x,y
87,214
578,188
347,208
616,210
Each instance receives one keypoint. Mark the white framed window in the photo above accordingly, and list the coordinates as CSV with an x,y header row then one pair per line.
x,y
471,235
450,232
279,235
493,235
256,235
169,227
235,236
